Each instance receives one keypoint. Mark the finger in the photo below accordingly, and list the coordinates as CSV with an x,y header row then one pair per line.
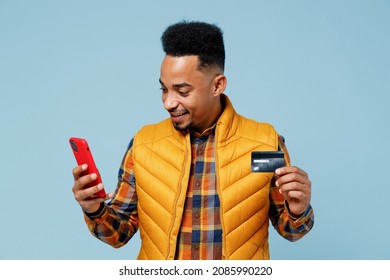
x,y
295,186
295,194
292,177
82,181
88,193
290,169
78,170
92,204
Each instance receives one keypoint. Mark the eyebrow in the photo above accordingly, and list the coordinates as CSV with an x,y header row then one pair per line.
x,y
181,85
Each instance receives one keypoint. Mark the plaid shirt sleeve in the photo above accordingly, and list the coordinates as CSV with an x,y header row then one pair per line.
x,y
117,221
288,226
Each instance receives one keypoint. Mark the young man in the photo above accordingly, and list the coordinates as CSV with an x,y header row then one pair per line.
x,y
186,182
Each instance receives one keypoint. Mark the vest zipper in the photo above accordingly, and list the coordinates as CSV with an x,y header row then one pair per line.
x,y
185,167
219,193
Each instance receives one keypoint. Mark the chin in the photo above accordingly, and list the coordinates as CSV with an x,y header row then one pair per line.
x,y
184,128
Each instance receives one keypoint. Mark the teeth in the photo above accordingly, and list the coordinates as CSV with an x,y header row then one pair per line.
x,y
177,115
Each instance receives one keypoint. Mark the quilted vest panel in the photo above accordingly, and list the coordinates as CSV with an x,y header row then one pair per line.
x,y
162,166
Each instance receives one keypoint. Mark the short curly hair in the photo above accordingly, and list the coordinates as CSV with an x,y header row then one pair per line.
x,y
195,38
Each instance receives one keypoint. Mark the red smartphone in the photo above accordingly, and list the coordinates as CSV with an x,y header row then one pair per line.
x,y
83,155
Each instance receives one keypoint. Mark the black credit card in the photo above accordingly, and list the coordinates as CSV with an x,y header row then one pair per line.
x,y
267,161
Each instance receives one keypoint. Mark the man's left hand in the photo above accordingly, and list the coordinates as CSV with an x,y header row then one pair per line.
x,y
295,186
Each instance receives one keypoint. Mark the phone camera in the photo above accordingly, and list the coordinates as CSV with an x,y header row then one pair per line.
x,y
73,145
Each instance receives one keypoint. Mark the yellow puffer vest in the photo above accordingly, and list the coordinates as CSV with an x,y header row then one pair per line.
x,y
162,159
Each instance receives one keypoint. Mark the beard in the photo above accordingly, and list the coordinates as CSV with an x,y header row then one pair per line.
x,y
183,128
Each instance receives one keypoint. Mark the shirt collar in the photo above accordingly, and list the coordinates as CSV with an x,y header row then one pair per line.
x,y
206,132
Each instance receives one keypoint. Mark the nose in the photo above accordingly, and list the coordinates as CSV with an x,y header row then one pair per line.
x,y
170,100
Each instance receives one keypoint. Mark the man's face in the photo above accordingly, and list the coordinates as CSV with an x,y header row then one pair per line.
x,y
188,94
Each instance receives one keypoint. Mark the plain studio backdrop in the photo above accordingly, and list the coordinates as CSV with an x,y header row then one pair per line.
x,y
317,70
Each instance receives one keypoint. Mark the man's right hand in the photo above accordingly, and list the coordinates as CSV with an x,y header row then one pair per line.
x,y
86,197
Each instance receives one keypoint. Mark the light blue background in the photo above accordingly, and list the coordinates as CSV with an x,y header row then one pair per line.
x,y
317,70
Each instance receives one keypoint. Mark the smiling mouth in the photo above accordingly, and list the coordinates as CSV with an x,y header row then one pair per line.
x,y
177,116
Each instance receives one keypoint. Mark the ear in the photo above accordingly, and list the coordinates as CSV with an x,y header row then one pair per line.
x,y
220,83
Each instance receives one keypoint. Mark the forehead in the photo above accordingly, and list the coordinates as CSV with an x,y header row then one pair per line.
x,y
178,69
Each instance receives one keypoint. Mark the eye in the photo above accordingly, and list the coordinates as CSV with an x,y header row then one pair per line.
x,y
182,92
163,89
